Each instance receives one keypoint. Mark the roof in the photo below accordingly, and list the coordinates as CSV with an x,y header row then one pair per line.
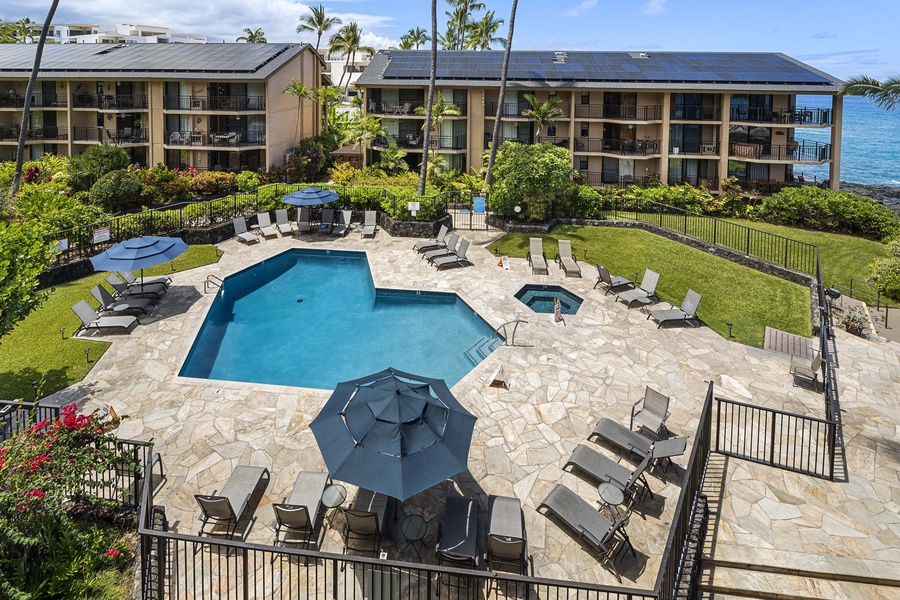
x,y
608,70
148,61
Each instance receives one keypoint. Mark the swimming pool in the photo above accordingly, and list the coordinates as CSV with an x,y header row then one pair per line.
x,y
313,318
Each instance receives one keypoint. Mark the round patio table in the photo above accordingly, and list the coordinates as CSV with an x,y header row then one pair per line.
x,y
413,529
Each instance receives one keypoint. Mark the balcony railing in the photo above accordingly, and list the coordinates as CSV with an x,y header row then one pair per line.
x,y
679,147
710,183
788,116
619,147
215,139
14,100
793,151
443,142
627,112
691,112
216,103
110,102
518,109
125,135
598,178
407,107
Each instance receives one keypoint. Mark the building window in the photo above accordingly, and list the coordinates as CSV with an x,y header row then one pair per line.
x,y
582,163
584,129
585,97
551,131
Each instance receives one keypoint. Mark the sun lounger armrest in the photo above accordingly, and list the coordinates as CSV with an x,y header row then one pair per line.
x,y
588,536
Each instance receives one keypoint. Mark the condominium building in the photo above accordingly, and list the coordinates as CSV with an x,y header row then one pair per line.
x,y
82,33
201,106
627,117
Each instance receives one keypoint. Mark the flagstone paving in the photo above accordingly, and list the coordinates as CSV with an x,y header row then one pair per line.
x,y
562,382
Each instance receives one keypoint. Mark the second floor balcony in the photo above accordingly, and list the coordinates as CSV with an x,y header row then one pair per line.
x,y
618,147
618,112
691,112
38,100
223,139
216,103
110,102
518,109
794,151
34,134
692,148
783,116
416,141
123,136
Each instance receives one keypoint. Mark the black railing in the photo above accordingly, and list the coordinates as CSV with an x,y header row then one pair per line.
x,y
215,103
216,139
400,108
710,183
46,133
694,112
793,151
110,136
41,100
787,116
110,102
627,112
443,142
15,416
692,148
518,109
617,147
601,178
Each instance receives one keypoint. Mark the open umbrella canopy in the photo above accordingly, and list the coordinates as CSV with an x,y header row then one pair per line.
x,y
310,197
394,433
139,253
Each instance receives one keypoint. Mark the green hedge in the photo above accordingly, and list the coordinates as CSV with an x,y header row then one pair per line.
x,y
390,199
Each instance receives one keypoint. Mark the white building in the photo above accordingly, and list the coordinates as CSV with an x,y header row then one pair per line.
x,y
80,33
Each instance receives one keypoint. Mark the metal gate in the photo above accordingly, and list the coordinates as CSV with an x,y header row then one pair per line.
x,y
470,211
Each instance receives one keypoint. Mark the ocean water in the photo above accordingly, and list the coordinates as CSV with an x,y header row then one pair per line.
x,y
870,149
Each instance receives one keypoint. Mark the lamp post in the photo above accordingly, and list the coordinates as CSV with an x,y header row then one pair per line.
x,y
62,332
87,352
729,325
34,384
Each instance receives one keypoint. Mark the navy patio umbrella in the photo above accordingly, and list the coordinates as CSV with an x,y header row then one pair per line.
x,y
394,433
310,197
139,253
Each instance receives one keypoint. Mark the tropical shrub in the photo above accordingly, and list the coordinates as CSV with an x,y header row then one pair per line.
x,y
317,154
117,191
87,168
24,255
685,196
393,160
58,211
161,185
588,203
211,183
532,177
886,271
247,181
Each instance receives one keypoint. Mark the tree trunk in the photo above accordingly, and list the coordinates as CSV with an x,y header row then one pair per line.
x,y
26,113
353,60
497,120
426,144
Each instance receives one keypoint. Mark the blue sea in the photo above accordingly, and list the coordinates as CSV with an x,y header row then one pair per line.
x,y
870,150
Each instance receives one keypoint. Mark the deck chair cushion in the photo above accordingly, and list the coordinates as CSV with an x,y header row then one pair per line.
x,y
536,258
90,319
450,248
282,223
580,517
432,244
453,260
369,224
229,505
265,225
687,311
645,293
566,261
611,282
241,233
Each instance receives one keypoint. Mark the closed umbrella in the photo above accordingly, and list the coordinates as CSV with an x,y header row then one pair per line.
x,y
139,253
394,433
311,196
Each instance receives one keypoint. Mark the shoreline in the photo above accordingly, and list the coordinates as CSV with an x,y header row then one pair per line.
x,y
875,191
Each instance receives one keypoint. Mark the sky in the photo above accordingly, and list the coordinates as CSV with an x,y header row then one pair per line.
x,y
841,37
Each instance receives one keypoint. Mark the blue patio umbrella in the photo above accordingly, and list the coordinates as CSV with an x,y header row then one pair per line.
x,y
139,253
394,432
311,197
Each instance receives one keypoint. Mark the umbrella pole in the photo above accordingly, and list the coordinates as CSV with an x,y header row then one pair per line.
x,y
142,292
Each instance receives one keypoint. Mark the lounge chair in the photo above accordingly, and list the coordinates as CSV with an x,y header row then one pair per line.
x,y
299,512
450,248
369,224
591,527
601,468
457,259
241,233
653,411
643,294
133,281
343,226
803,367
361,525
303,220
123,290
611,282
265,225
229,505
119,307
687,311
536,257
631,441
566,260
326,224
507,544
458,533
90,319
282,223
438,242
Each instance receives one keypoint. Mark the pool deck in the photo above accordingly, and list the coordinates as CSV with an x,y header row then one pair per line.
x,y
567,377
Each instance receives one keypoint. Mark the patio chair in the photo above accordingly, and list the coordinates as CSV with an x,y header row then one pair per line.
x,y
343,226
298,513
803,367
326,223
644,293
90,320
123,290
241,233
402,109
133,281
687,311
360,525
282,223
653,411
536,257
506,538
591,527
433,244
566,260
603,469
110,304
229,505
458,533
611,282
634,442
457,259
265,225
303,220
369,224
450,248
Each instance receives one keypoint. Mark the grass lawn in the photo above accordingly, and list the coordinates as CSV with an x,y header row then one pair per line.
x,y
36,351
731,293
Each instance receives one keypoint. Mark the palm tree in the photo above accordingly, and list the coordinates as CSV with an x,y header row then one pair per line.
x,y
24,29
418,37
423,172
26,111
503,72
253,36
465,8
405,43
448,39
302,92
480,34
318,22
456,27
440,110
347,42
885,94
545,114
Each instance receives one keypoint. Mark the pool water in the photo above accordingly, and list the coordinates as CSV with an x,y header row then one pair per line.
x,y
542,298
313,318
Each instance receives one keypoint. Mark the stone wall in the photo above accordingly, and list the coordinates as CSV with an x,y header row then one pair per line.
x,y
414,229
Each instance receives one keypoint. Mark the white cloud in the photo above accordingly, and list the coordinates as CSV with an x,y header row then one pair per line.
x,y
654,7
580,9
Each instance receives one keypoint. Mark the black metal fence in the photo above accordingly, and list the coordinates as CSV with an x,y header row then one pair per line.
x,y
15,416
